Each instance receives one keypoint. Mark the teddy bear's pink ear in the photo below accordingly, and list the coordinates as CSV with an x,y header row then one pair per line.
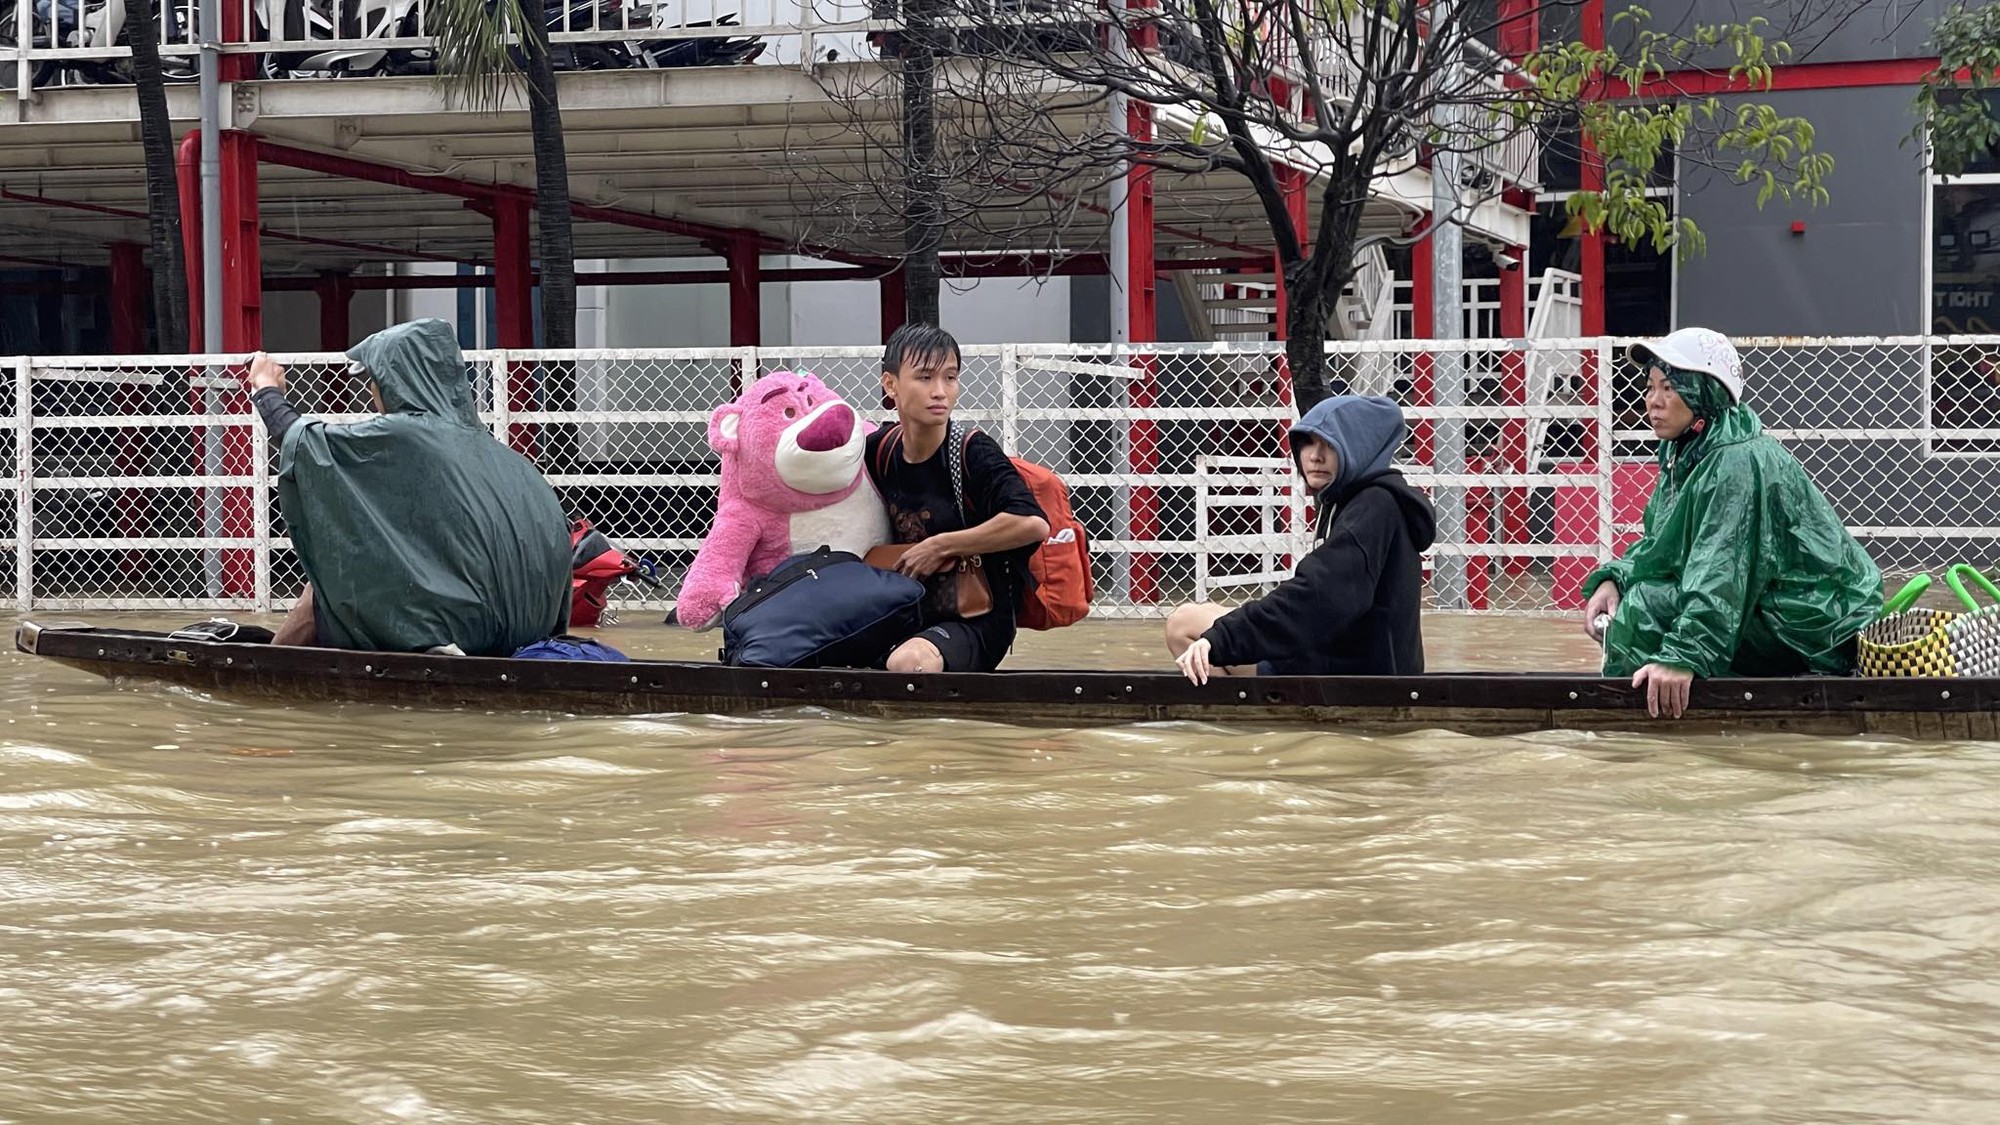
x,y
723,427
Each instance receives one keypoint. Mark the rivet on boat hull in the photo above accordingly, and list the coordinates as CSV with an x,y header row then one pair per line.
x,y
1572,695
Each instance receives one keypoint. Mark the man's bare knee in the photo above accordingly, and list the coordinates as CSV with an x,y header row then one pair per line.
x,y
1188,622
916,655
299,627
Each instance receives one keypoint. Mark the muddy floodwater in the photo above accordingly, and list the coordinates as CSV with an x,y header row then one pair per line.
x,y
214,912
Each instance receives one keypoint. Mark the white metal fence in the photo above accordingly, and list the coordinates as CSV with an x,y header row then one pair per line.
x,y
145,482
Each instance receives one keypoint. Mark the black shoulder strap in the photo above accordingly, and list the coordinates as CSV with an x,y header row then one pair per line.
x,y
891,439
955,447
959,449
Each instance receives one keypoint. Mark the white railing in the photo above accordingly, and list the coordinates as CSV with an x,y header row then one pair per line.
x,y
85,39
145,482
1479,301
1340,53
1557,315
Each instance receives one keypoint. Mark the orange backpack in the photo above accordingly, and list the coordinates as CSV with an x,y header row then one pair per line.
x,y
1060,585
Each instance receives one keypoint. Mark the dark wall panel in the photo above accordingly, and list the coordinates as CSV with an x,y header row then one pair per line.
x,y
1857,268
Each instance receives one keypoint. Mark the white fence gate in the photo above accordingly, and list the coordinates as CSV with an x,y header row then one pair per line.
x,y
146,482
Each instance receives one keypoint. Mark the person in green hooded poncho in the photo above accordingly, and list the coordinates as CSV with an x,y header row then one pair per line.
x,y
417,529
1744,569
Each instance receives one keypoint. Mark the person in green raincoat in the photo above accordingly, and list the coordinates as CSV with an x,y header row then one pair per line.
x,y
1744,569
417,529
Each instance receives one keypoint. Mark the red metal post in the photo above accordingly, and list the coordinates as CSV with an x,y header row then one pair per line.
x,y
895,303
242,256
513,312
130,290
242,331
1592,287
335,294
1293,183
242,322
242,251
188,179
1143,328
1514,392
1520,28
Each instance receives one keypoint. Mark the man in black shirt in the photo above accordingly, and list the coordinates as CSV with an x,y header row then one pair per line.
x,y
953,495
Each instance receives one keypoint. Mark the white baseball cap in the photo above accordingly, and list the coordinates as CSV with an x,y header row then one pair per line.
x,y
1696,349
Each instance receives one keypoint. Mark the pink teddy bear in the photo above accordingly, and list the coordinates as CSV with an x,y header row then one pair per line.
x,y
792,480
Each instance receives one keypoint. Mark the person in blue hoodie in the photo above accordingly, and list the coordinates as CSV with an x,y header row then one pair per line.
x,y
1353,605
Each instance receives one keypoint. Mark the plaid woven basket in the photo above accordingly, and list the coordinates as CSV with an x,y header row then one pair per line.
x,y
1935,642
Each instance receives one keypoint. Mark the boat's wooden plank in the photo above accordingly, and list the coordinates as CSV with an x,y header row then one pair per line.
x,y
1471,702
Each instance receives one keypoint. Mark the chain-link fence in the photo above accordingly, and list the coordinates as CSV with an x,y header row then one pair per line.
x,y
148,481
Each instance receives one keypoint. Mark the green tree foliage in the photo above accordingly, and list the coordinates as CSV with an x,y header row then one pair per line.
x,y
1954,104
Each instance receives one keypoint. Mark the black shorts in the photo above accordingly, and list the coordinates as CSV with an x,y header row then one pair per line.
x,y
969,646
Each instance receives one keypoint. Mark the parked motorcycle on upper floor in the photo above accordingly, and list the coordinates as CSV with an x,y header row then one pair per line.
x,y
310,20
68,24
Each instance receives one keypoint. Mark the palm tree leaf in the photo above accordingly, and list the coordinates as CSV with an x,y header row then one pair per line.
x,y
478,44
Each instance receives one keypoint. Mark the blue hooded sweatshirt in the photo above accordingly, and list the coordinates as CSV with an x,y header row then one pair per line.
x,y
1354,605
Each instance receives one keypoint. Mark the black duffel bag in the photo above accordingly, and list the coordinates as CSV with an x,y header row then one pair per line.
x,y
821,609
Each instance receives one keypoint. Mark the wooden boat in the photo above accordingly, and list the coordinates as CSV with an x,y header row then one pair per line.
x,y
1932,709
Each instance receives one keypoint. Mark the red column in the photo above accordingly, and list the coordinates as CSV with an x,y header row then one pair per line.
x,y
895,303
188,180
1292,183
242,256
335,293
242,322
1520,28
513,312
513,276
242,331
1514,392
242,252
1423,325
130,291
1592,287
1143,307
745,292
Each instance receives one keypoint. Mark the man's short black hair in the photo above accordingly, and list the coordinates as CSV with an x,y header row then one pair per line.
x,y
918,342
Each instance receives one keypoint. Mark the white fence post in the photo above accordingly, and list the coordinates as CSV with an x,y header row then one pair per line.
x,y
24,72
24,490
1202,473
1010,398
500,403
1606,471
260,514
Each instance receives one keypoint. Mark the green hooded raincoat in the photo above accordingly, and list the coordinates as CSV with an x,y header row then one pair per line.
x,y
416,527
1744,568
